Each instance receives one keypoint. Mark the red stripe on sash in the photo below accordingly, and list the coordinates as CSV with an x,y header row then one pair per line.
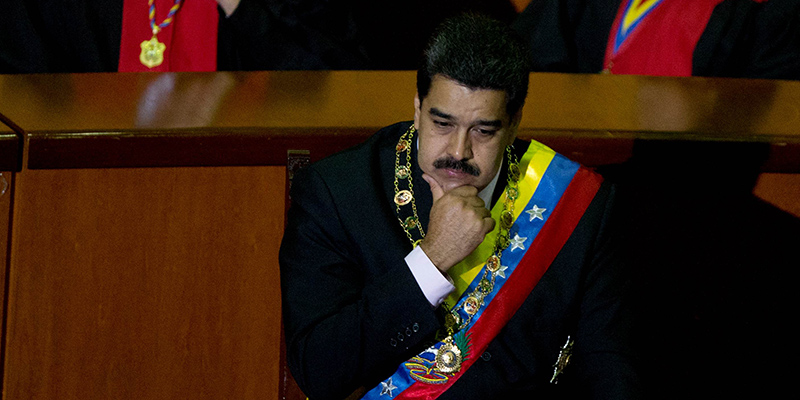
x,y
554,234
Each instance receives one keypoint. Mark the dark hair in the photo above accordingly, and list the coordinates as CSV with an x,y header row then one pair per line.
x,y
480,53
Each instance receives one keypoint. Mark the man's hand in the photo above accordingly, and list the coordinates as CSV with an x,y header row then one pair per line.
x,y
459,221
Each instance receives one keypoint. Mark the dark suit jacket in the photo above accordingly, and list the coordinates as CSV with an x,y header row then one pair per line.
x,y
353,311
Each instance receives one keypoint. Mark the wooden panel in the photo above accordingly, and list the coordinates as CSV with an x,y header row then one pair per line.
x,y
145,284
6,196
10,145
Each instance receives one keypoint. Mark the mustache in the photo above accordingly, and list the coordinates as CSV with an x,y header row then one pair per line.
x,y
457,165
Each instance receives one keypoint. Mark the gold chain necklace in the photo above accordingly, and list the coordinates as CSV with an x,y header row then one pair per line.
x,y
403,197
455,348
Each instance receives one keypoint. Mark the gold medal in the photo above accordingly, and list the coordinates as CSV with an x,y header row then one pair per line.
x,y
402,172
493,263
485,286
402,146
448,357
152,54
514,171
503,241
507,219
471,305
403,197
512,193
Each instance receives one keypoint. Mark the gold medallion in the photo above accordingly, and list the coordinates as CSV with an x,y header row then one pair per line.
x,y
493,263
410,223
514,171
403,197
503,241
402,172
511,193
485,286
448,357
402,146
472,305
506,219
152,54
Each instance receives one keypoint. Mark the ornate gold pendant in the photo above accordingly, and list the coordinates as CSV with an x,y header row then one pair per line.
x,y
448,357
403,197
152,54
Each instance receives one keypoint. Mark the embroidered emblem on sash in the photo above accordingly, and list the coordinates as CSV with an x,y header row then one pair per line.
x,y
437,365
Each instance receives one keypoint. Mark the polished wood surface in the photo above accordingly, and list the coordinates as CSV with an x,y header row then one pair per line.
x,y
6,194
145,284
10,145
103,120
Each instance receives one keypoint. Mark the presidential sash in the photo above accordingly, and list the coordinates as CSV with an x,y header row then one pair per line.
x,y
553,194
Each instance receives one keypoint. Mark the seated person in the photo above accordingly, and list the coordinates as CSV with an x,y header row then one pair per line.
x,y
445,258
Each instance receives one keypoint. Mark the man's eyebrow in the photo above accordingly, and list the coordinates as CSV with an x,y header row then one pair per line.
x,y
439,113
496,123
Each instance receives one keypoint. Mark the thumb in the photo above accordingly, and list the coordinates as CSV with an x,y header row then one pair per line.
x,y
436,189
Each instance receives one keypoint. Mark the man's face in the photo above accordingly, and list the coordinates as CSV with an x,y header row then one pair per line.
x,y
462,133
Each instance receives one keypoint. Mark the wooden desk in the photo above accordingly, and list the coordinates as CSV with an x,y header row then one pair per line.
x,y
185,119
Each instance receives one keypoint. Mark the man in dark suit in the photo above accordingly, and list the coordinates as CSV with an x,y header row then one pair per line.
x,y
398,280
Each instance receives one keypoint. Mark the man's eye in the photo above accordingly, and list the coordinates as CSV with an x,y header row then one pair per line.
x,y
487,132
441,123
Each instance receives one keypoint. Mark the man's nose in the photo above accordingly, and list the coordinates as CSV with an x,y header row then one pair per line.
x,y
460,146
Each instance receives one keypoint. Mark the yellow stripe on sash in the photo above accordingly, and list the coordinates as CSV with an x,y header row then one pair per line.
x,y
635,12
534,163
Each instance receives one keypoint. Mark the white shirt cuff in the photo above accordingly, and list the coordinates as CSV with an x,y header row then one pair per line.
x,y
435,285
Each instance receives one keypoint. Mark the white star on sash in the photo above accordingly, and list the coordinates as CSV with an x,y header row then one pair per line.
x,y
501,272
536,212
517,242
387,387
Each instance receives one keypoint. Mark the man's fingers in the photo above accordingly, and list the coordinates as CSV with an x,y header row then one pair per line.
x,y
436,189
488,224
465,191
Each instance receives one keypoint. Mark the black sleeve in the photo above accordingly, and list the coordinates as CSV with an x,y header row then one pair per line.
x,y
747,39
347,326
775,52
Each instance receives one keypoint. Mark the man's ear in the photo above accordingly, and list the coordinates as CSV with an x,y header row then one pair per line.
x,y
417,105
